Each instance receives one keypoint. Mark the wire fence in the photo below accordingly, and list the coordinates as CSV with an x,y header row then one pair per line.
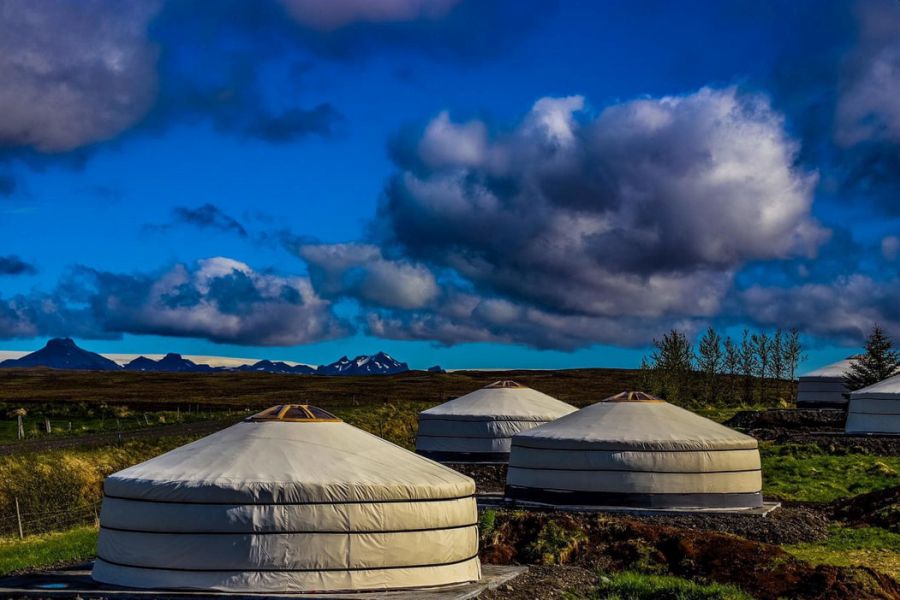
x,y
29,523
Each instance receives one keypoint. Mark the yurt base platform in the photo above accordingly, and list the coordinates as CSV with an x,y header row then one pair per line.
x,y
499,501
76,582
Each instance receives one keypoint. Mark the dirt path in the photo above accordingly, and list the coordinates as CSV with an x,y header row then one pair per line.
x,y
107,438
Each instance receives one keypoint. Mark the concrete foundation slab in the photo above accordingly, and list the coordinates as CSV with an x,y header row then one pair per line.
x,y
76,581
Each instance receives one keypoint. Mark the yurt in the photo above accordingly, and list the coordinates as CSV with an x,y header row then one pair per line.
x,y
289,500
637,451
824,387
875,409
477,427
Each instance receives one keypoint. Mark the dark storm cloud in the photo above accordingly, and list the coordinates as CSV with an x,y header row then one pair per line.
x,y
13,265
838,82
206,216
209,216
569,229
646,209
842,309
74,73
219,299
77,74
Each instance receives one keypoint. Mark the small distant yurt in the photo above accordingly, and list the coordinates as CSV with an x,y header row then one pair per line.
x,y
637,451
477,427
824,388
875,409
289,500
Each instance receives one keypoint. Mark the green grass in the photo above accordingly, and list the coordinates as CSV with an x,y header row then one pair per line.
x,y
805,473
871,547
629,585
47,550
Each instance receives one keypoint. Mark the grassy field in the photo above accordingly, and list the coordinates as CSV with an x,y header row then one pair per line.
x,y
162,391
872,547
47,550
629,585
805,473
85,420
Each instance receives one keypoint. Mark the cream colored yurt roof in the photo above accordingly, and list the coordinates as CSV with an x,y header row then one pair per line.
x,y
477,427
634,449
824,386
835,370
291,500
876,408
503,400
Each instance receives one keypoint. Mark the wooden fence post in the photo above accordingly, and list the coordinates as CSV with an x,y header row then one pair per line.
x,y
47,427
19,519
20,432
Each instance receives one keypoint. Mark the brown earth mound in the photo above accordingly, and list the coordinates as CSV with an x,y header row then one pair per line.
x,y
794,419
596,542
880,508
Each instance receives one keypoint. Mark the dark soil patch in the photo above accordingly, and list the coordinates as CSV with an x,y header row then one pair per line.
x,y
880,508
597,542
785,525
488,478
793,419
544,582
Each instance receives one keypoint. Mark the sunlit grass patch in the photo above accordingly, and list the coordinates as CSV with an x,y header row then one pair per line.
x,y
629,585
806,473
47,550
871,547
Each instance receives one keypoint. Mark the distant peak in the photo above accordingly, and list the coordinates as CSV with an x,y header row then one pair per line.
x,y
61,343
172,356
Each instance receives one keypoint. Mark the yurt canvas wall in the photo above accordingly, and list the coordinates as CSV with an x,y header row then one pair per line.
x,y
291,500
634,450
824,387
875,409
478,427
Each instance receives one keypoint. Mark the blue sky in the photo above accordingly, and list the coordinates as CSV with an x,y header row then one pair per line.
x,y
475,184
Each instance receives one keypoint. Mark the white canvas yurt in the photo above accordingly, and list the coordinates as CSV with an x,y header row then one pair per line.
x,y
875,409
824,387
477,427
290,500
635,450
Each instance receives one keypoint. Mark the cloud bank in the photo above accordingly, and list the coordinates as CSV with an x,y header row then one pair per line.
x,y
218,299
573,228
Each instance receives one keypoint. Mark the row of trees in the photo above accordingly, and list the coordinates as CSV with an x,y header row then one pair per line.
x,y
758,367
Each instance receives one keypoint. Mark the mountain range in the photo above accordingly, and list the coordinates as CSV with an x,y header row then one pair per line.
x,y
64,353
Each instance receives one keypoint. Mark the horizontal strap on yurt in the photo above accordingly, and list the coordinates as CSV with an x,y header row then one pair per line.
x,y
706,472
320,570
466,437
287,532
480,419
622,448
635,500
304,503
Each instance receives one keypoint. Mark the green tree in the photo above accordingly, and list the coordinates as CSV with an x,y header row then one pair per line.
x,y
731,360
877,363
762,347
709,362
672,362
776,362
793,356
747,366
